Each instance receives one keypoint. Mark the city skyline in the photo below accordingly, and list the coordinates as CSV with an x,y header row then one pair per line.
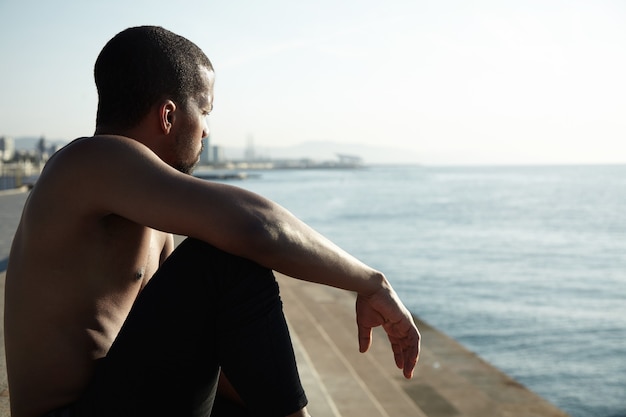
x,y
449,82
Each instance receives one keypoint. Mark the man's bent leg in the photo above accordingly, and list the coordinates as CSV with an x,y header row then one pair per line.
x,y
204,309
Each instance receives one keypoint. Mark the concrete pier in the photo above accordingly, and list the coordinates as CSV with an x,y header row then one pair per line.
x,y
449,381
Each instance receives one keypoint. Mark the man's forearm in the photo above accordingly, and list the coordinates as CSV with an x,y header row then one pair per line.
x,y
291,247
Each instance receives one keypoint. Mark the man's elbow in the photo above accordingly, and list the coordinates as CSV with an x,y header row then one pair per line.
x,y
257,239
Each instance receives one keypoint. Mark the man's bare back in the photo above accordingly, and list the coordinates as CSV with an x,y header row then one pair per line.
x,y
65,306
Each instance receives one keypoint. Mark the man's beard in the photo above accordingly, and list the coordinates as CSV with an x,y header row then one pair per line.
x,y
188,168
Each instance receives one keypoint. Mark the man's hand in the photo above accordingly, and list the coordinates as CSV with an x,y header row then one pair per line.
x,y
385,308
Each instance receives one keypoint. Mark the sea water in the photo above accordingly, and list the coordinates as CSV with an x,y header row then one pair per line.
x,y
526,266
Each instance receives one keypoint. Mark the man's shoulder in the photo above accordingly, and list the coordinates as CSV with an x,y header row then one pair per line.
x,y
86,170
93,158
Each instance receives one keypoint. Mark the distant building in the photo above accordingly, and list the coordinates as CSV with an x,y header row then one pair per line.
x,y
349,159
42,150
205,156
217,154
7,148
250,152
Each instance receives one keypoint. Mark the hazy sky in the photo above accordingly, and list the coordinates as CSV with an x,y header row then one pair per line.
x,y
449,81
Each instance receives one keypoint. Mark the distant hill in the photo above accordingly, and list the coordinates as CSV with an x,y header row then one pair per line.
x,y
327,150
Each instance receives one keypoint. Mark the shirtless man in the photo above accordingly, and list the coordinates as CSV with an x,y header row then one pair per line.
x,y
95,240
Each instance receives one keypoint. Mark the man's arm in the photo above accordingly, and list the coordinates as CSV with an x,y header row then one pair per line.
x,y
114,175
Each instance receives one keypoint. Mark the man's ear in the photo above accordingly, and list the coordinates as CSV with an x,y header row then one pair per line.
x,y
167,111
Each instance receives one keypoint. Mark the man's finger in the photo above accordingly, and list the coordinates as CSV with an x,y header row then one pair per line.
x,y
365,338
398,355
411,356
409,366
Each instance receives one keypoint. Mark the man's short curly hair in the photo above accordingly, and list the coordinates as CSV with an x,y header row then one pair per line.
x,y
140,66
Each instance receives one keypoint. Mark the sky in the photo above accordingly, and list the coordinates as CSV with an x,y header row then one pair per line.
x,y
440,82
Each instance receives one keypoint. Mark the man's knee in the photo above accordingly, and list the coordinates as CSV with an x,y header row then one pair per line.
x,y
226,274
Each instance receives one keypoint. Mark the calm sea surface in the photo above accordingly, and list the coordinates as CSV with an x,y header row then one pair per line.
x,y
525,266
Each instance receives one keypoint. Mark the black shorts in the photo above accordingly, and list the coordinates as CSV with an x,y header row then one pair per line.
x,y
204,310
